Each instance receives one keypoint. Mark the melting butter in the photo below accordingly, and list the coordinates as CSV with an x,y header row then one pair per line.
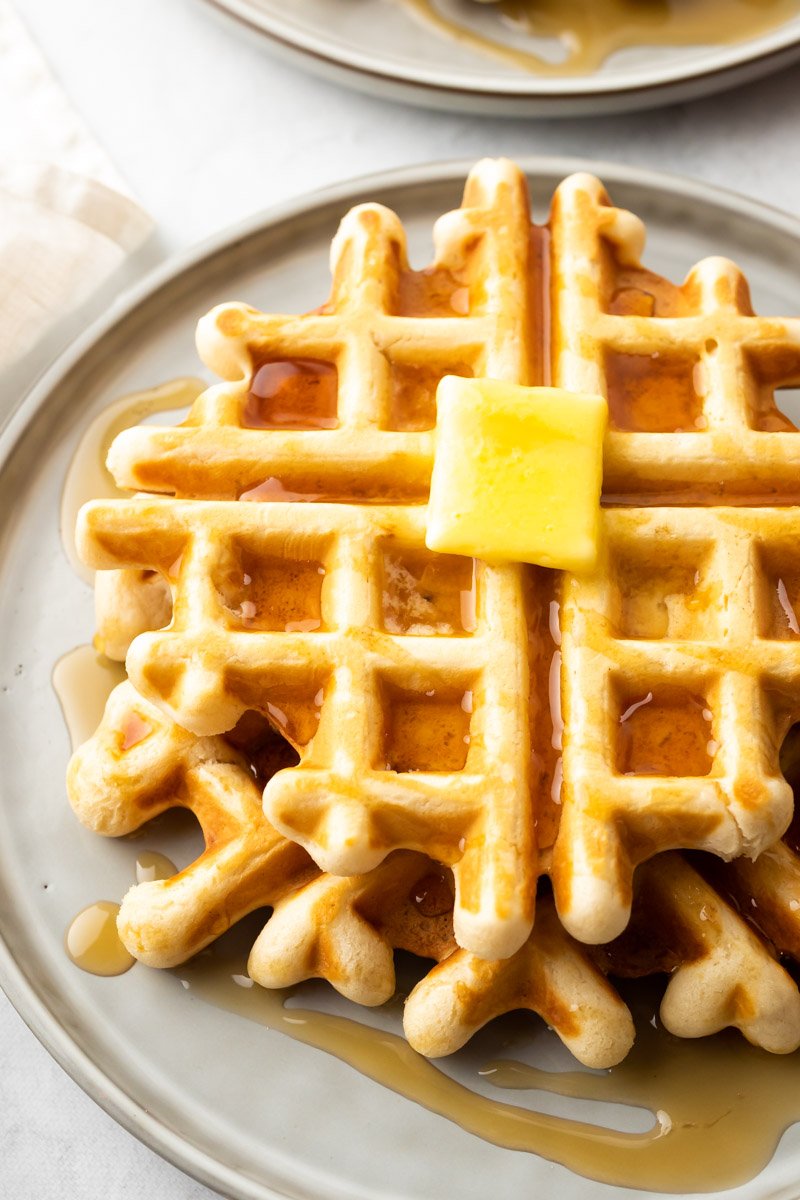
x,y
586,32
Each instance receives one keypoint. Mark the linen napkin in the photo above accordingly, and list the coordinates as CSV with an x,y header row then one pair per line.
x,y
67,224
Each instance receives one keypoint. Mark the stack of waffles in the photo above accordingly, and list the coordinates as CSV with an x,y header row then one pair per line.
x,y
536,780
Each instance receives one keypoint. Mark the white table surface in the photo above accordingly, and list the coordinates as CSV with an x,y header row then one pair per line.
x,y
207,128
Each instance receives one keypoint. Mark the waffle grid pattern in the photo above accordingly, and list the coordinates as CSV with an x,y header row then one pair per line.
x,y
727,348
340,803
337,804
719,644
483,254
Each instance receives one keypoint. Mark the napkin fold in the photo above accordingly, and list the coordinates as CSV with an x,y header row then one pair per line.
x,y
67,223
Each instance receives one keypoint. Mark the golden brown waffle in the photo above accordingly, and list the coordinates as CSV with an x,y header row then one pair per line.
x,y
690,372
722,972
139,764
128,603
320,606
366,785
680,680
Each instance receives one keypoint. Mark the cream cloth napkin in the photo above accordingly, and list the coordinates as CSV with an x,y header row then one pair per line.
x,y
66,222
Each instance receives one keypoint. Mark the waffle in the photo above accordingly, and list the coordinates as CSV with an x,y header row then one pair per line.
x,y
425,727
128,603
139,763
137,766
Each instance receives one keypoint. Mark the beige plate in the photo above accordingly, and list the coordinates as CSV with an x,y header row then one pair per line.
x,y
378,47
245,1110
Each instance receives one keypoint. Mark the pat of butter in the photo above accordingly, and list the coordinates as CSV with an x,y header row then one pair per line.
x,y
517,473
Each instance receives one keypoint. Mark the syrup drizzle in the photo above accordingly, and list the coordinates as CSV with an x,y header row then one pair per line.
x,y
718,1105
292,394
151,865
87,476
92,941
584,33
83,680
666,731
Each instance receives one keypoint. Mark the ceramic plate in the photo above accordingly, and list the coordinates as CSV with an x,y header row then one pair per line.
x,y
382,47
246,1110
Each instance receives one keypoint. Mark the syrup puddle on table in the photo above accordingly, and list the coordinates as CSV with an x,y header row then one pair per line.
x,y
586,32
718,1104
87,477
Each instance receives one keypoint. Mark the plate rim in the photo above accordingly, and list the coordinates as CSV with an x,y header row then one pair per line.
x,y
32,1005
781,43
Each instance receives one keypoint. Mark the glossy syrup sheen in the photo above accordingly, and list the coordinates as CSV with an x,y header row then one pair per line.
x,y
92,941
651,393
718,1105
587,32
665,731
87,477
83,680
298,393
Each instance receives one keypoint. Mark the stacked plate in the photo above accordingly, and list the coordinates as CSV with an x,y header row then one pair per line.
x,y
465,56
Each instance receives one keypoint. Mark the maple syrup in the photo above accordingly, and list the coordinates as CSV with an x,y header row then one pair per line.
x,y
426,731
295,717
653,393
718,1106
83,680
638,292
432,292
425,593
294,713
412,402
266,750
543,610
300,393
659,596
87,476
152,865
272,593
356,488
273,489
432,896
92,941
772,375
584,33
665,731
